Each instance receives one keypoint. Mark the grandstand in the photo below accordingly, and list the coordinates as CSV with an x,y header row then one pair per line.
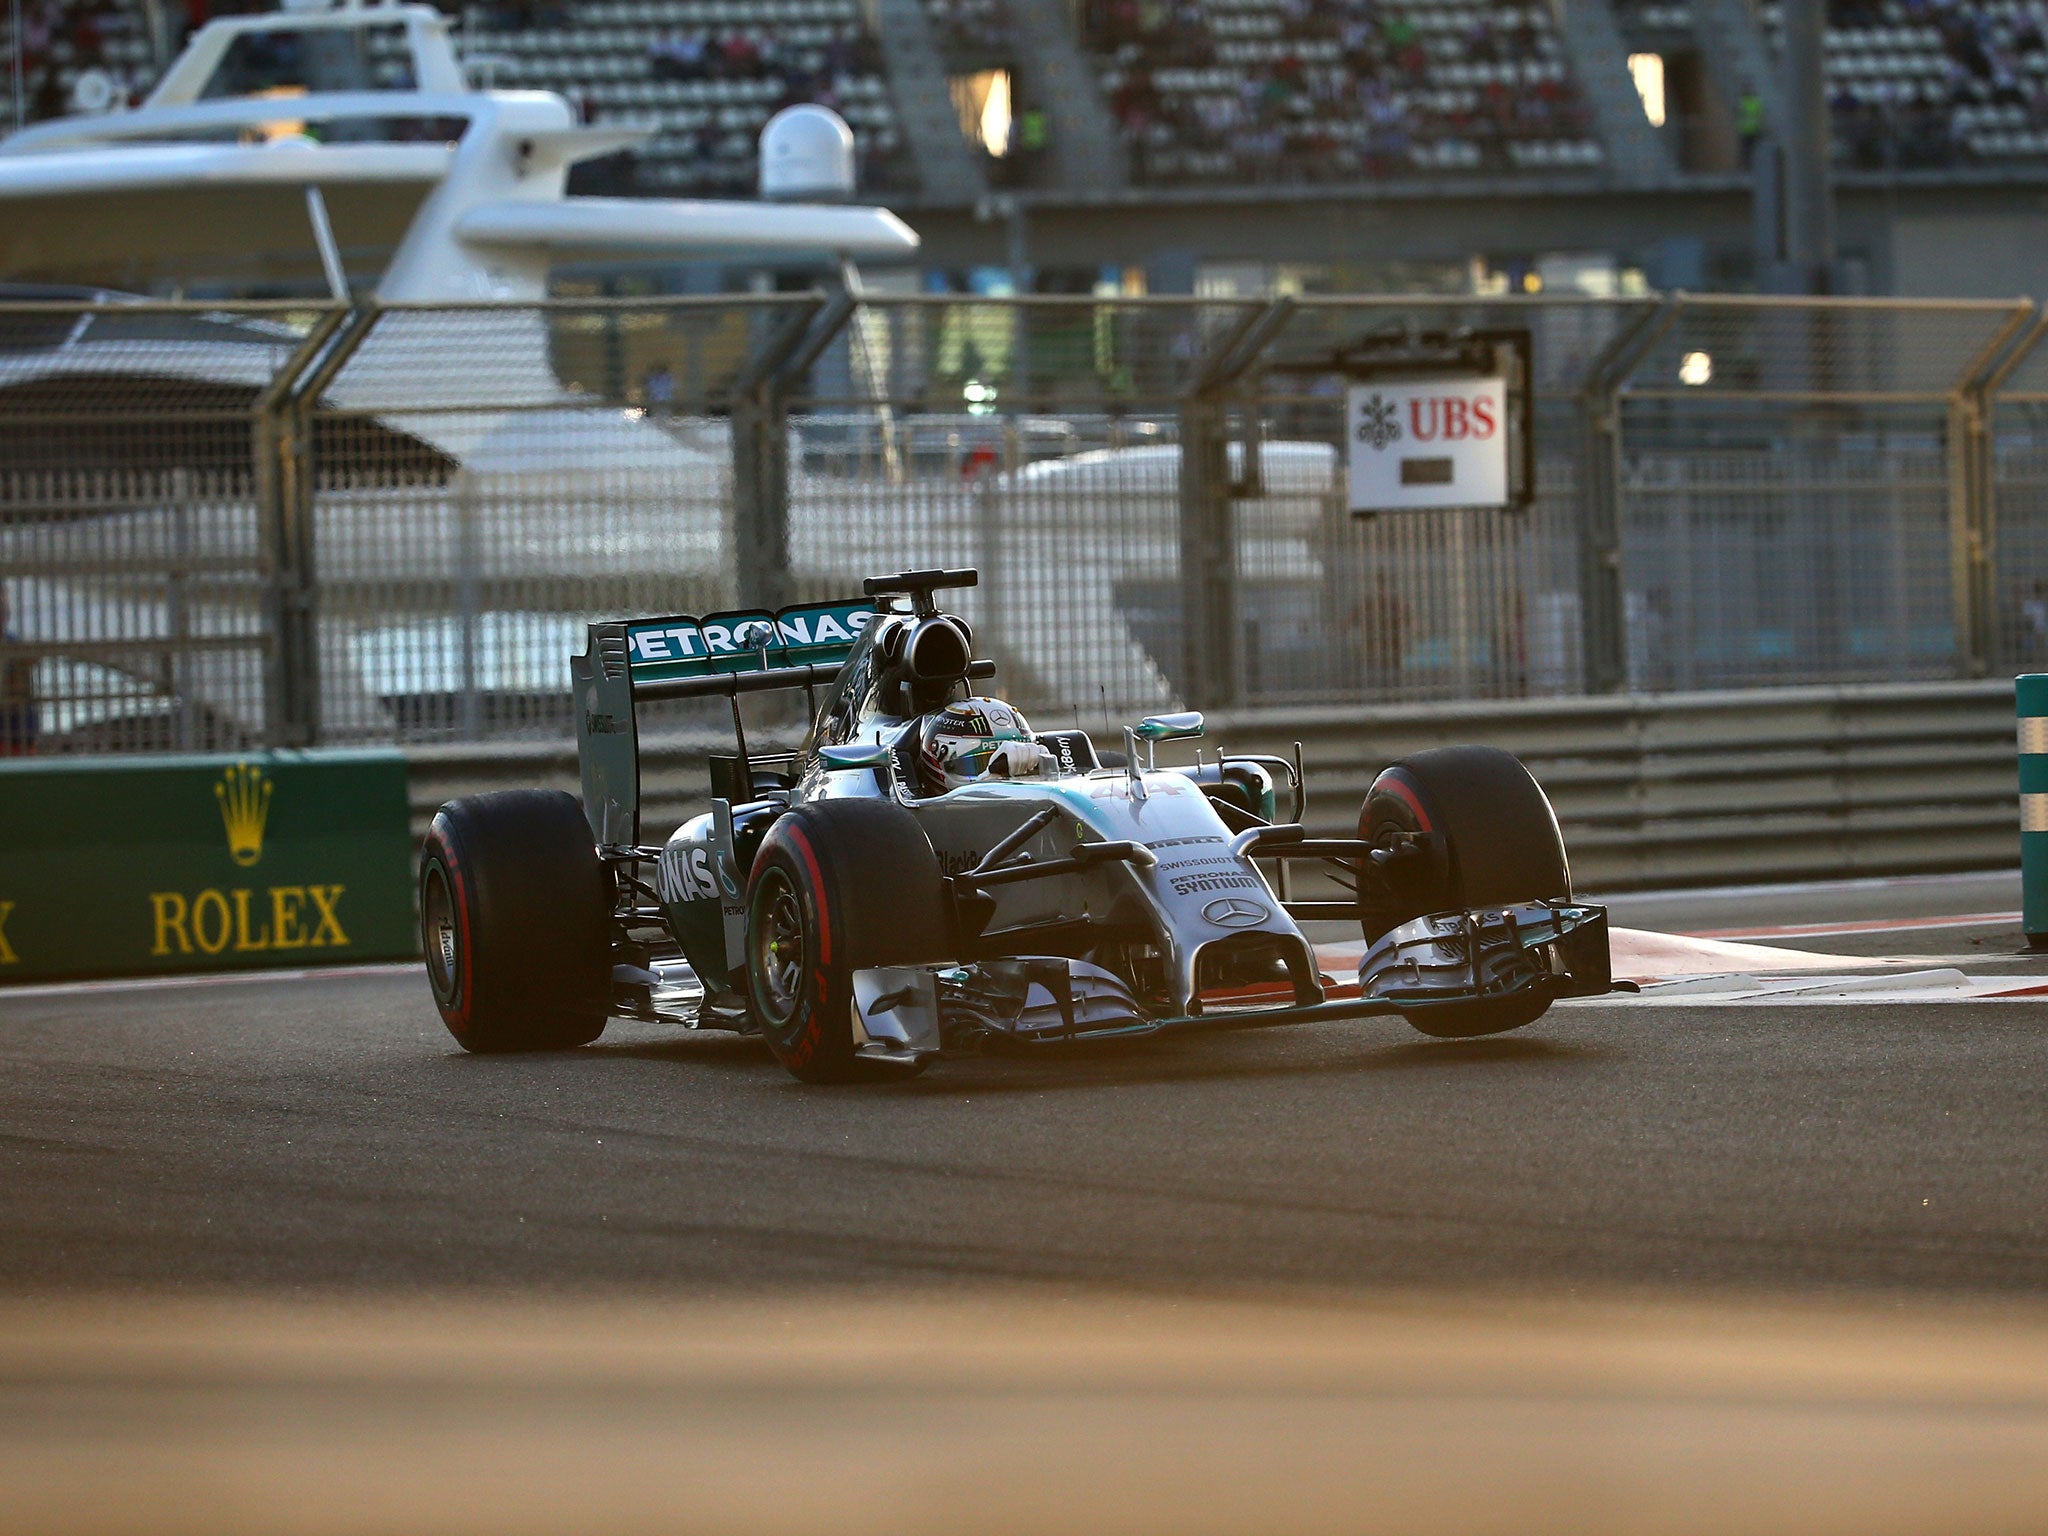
x,y
1926,85
1250,90
704,74
80,58
1156,105
973,34
1202,92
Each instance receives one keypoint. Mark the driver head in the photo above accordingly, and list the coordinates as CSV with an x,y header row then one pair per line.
x,y
974,740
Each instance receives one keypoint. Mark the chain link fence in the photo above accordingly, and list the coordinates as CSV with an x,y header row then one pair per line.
x,y
285,525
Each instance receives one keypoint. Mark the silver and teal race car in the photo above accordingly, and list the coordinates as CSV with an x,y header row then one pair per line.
x,y
865,919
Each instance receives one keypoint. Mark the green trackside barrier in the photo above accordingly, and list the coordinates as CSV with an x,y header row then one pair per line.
x,y
127,866
2031,698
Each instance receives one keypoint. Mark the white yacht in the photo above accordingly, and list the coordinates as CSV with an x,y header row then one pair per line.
x,y
275,141
272,146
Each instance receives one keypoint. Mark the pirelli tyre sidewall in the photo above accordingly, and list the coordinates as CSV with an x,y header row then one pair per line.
x,y
515,916
836,886
1489,837
1494,837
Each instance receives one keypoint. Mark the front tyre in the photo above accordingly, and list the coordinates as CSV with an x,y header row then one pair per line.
x,y
515,922
837,886
1471,827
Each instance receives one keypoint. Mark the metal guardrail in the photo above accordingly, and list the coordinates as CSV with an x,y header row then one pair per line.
x,y
1651,790
1678,789
282,525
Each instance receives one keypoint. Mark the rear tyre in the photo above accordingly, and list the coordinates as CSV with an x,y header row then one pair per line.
x,y
1487,837
515,922
837,886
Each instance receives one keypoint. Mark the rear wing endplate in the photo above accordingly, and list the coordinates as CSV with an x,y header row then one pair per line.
x,y
722,655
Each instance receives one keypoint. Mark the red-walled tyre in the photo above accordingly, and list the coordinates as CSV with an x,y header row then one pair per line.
x,y
515,922
1490,838
837,886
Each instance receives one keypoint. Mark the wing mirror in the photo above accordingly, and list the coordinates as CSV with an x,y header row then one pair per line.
x,y
1170,727
1154,729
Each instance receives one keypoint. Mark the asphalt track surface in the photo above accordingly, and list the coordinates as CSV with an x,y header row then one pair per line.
x,y
300,1135
275,1257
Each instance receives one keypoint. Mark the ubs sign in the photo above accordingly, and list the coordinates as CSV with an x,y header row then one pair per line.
x,y
1426,443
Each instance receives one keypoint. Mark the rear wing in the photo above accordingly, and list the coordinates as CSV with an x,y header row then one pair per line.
x,y
721,655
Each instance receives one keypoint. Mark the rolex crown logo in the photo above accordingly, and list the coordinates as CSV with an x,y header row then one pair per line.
x,y
244,796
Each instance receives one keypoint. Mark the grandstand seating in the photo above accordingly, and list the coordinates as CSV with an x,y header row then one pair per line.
x,y
1207,92
1915,84
1338,90
63,44
1653,15
972,34
705,75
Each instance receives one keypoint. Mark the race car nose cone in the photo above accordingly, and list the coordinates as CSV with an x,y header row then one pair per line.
x,y
1235,912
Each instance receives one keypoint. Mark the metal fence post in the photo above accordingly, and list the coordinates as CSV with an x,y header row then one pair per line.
x,y
281,466
1603,604
760,450
1973,502
299,613
1208,532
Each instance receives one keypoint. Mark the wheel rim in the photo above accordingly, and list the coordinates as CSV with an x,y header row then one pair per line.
x,y
439,935
777,944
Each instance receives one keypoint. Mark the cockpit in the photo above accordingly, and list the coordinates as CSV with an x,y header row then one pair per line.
x,y
288,60
312,50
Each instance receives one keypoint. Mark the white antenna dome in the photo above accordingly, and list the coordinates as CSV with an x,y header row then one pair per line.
x,y
93,91
806,152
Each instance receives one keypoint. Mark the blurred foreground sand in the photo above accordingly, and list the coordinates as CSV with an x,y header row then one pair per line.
x,y
851,1413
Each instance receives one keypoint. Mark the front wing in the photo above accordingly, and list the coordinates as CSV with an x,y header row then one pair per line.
x,y
1531,952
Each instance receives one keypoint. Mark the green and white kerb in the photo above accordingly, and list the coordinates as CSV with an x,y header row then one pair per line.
x,y
2031,698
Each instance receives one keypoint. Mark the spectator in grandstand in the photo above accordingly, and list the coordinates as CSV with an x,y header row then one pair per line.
x,y
2028,621
677,56
1749,121
20,724
1031,134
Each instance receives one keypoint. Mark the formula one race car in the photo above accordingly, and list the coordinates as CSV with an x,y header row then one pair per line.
x,y
927,876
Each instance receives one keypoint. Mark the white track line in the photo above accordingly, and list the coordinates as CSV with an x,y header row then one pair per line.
x,y
1804,887
213,979
1865,925
1941,985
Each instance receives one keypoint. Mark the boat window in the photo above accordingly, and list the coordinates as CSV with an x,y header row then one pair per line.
x,y
313,59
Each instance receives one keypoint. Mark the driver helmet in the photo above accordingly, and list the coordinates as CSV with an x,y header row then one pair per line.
x,y
977,739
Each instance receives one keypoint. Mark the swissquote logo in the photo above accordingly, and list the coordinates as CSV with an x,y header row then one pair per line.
x,y
245,920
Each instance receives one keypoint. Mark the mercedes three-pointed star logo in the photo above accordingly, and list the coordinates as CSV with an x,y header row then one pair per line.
x,y
1235,912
